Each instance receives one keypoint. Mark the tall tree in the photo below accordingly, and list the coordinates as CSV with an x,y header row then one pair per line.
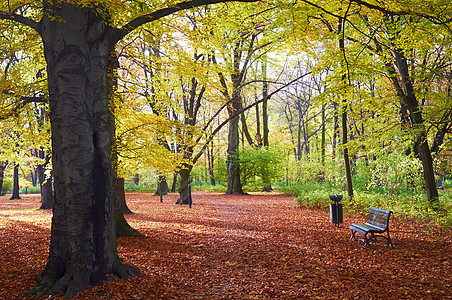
x,y
244,48
345,78
78,40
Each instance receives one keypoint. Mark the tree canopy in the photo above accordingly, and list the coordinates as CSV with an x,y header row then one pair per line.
x,y
112,87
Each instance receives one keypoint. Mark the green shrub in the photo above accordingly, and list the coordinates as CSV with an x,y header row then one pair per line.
x,y
133,188
218,188
7,186
31,190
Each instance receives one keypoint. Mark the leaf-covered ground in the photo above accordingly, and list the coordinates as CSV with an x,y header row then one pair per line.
x,y
261,246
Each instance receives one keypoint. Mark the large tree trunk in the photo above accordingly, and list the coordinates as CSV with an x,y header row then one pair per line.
x,y
15,183
408,96
120,191
174,183
120,205
47,194
122,227
83,236
403,85
184,188
46,186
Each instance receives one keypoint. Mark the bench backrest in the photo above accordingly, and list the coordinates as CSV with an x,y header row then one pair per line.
x,y
379,217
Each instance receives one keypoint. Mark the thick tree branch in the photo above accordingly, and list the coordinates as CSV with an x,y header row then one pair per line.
x,y
21,19
158,14
433,18
21,104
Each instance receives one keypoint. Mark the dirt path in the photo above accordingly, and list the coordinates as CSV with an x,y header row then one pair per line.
x,y
259,246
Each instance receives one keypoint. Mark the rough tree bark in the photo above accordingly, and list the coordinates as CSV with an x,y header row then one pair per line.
x,y
184,191
265,176
77,42
47,194
120,205
406,93
348,172
15,194
174,183
83,236
45,184
232,163
211,161
122,227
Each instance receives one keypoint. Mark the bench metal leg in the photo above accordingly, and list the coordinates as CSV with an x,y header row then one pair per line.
x,y
389,244
366,240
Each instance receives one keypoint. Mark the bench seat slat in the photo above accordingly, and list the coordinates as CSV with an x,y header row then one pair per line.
x,y
363,228
377,222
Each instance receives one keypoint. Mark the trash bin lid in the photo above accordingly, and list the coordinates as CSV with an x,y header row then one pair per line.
x,y
336,197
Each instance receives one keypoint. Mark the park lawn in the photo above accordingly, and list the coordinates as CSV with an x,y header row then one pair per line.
x,y
259,246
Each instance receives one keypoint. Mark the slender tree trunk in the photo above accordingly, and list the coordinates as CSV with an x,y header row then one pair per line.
x,y
300,118
265,129
265,176
34,177
348,172
233,163
245,130
3,166
335,128
441,133
258,123
323,143
211,160
15,183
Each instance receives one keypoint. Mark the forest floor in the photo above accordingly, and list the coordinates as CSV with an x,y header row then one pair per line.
x,y
260,246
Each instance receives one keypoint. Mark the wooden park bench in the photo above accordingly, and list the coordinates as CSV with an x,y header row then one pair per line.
x,y
377,222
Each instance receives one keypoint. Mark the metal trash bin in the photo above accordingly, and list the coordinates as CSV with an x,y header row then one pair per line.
x,y
336,210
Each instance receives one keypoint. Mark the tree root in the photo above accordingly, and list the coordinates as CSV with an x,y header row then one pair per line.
x,y
124,229
77,280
